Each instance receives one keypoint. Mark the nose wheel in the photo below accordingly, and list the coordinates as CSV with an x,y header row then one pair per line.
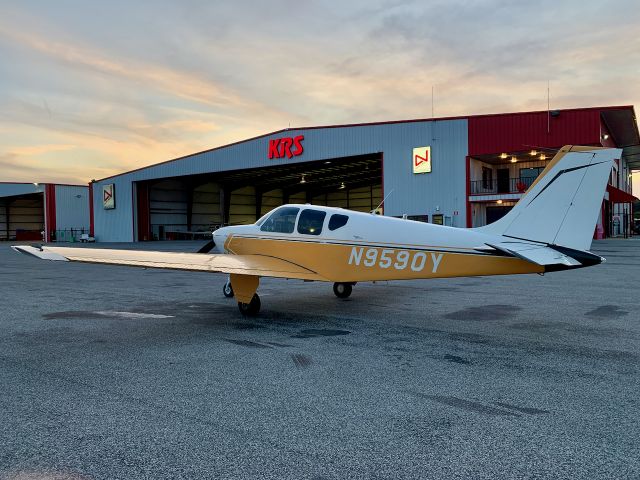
x,y
252,308
227,290
342,290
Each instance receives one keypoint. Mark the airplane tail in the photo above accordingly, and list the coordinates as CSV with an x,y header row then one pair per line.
x,y
561,207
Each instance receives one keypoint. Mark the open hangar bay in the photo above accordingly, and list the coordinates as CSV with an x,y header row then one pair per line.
x,y
116,372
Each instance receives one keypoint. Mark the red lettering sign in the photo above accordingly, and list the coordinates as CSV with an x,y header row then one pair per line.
x,y
287,146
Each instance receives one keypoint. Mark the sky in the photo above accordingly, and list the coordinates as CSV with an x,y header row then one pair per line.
x,y
91,89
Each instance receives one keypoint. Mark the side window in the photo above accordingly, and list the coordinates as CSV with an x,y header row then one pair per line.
x,y
311,221
282,220
336,221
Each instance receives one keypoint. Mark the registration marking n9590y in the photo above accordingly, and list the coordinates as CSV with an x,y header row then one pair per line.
x,y
392,258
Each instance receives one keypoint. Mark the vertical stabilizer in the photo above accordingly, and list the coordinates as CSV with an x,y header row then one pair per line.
x,y
561,207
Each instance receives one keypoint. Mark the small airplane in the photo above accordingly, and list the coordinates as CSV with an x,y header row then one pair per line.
x,y
548,230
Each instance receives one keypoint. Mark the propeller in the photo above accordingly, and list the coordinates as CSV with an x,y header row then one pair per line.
x,y
207,247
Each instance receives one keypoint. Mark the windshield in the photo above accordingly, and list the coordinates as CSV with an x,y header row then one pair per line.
x,y
283,220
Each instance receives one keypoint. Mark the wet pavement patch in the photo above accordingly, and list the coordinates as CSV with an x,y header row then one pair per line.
x,y
301,361
484,313
527,410
606,311
45,475
247,326
77,314
247,343
104,313
468,405
469,338
320,332
456,359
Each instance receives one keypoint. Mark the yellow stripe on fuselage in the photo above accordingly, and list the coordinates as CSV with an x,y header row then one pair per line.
x,y
340,262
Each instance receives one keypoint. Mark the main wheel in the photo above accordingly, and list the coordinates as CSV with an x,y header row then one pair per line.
x,y
252,308
227,290
342,290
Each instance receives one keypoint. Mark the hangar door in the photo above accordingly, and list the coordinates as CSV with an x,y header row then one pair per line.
x,y
354,183
22,217
181,208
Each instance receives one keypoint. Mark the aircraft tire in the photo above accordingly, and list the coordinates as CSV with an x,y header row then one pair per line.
x,y
227,290
342,290
252,308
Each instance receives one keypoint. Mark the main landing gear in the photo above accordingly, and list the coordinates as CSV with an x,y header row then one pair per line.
x,y
252,308
342,290
245,287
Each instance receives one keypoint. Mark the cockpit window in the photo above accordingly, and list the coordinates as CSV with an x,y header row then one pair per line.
x,y
310,222
282,220
263,218
336,221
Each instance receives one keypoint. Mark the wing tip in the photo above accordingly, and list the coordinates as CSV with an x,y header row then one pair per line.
x,y
39,252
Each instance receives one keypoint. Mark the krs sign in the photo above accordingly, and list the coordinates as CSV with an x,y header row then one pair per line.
x,y
291,147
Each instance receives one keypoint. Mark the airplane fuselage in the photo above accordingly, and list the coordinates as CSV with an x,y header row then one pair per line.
x,y
372,247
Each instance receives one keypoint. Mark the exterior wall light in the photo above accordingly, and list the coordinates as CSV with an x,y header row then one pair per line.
x,y
514,159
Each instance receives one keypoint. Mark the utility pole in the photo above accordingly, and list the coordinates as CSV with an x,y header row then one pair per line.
x,y
548,111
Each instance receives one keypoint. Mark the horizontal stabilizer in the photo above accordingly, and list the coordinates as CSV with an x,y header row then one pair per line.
x,y
547,255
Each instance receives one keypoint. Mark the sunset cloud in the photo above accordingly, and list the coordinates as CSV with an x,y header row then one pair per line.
x,y
91,89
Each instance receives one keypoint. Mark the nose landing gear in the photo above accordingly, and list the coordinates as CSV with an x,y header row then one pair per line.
x,y
342,290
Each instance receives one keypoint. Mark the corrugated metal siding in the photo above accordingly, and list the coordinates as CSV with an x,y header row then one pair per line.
x,y
444,187
168,207
206,207
49,212
115,225
242,209
522,131
412,194
11,189
72,207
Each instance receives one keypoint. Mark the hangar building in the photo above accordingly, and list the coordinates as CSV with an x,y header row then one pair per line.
x,y
28,209
458,171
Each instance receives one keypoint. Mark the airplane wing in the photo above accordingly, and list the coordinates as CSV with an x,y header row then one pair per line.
x,y
258,265
546,255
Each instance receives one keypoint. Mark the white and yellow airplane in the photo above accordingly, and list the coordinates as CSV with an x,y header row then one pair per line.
x,y
549,229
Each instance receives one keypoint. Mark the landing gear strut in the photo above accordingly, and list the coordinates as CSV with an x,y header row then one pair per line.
x,y
342,290
252,308
227,289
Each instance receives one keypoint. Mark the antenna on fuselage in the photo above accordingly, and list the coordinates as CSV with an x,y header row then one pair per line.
x,y
373,212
